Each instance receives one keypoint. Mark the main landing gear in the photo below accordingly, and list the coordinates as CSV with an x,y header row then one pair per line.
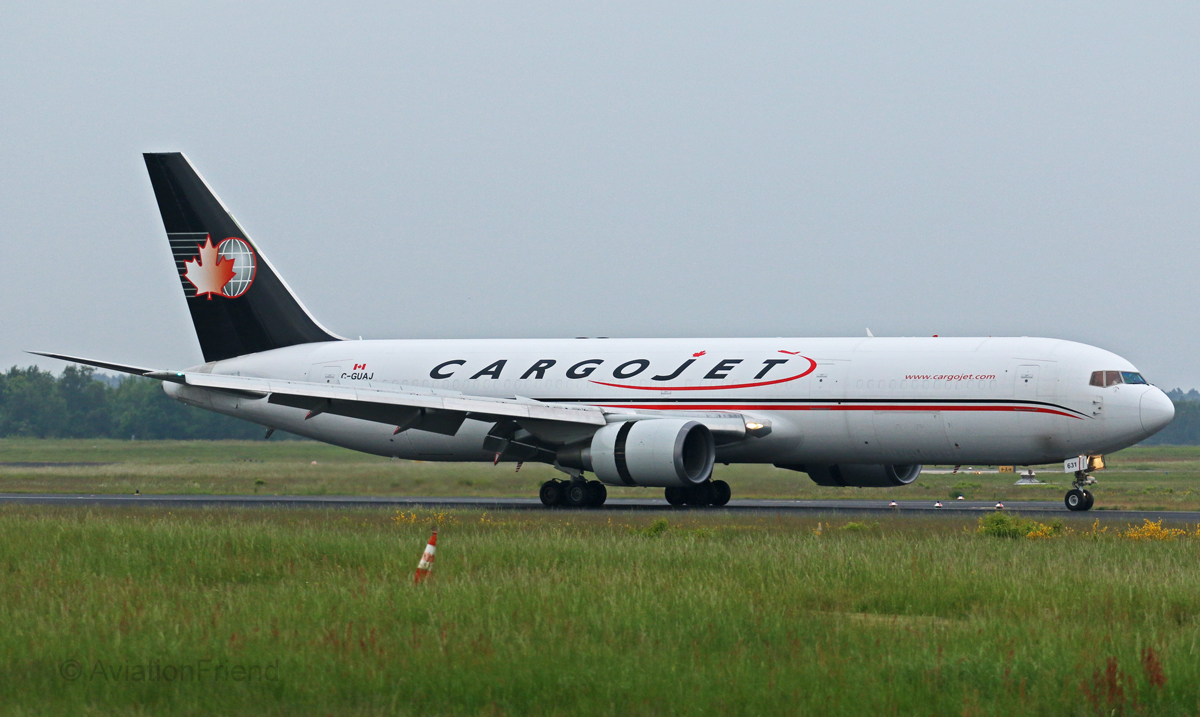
x,y
1078,498
575,493
712,492
580,493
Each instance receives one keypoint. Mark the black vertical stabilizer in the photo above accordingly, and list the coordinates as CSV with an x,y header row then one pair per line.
x,y
239,304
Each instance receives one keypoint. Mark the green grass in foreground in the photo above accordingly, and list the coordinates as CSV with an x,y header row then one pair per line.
x,y
1160,477
589,613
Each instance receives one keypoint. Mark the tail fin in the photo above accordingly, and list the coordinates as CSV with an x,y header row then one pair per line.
x,y
239,305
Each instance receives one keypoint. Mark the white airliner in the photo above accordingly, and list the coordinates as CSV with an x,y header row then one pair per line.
x,y
634,412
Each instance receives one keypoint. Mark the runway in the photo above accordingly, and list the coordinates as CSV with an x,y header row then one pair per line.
x,y
923,508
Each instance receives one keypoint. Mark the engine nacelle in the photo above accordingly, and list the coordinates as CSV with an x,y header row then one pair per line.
x,y
659,452
860,475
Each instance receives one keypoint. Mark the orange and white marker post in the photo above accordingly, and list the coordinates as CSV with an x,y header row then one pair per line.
x,y
426,563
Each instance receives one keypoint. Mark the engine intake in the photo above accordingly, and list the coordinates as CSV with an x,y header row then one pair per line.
x,y
859,475
659,452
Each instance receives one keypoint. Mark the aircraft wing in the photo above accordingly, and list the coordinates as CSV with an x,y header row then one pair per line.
x,y
423,409
443,412
431,409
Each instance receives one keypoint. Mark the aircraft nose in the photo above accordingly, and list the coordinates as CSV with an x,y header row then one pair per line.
x,y
1157,410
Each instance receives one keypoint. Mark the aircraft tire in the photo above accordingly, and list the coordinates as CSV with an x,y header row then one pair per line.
x,y
1090,500
1075,500
699,495
597,494
721,493
551,493
676,495
577,494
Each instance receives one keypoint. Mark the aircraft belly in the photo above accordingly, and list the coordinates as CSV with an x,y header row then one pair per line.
x,y
463,446
930,437
352,433
821,435
1017,438
911,437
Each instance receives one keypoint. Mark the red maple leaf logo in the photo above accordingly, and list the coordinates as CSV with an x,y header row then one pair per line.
x,y
207,272
698,354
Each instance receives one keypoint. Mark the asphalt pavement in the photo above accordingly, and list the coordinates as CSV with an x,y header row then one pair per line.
x,y
922,508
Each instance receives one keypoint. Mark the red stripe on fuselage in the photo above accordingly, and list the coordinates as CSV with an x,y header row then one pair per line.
x,y
859,407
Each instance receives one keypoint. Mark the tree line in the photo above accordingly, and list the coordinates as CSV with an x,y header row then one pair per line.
x,y
80,404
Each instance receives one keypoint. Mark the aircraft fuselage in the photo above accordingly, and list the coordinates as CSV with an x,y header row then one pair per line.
x,y
827,400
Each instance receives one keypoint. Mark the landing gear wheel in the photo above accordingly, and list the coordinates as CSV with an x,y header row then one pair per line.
x,y
596,494
577,494
699,495
720,493
552,493
676,495
1078,498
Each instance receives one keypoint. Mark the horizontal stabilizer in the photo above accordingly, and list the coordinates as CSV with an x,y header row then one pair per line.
x,y
135,370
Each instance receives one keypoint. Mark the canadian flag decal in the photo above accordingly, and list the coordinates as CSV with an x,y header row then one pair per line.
x,y
359,367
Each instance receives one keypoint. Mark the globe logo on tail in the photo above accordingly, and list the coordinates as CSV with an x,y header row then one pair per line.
x,y
242,256
226,269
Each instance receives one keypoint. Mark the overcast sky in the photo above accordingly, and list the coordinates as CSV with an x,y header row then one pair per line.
x,y
422,170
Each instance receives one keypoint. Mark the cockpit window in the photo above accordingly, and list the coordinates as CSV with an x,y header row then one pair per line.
x,y
1113,378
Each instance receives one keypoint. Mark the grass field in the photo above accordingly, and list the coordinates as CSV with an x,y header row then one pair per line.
x,y
315,612
1162,477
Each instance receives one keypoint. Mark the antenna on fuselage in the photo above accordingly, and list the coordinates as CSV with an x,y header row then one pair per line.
x,y
869,332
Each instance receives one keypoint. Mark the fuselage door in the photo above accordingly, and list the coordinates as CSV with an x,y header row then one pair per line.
x,y
326,373
828,379
1027,381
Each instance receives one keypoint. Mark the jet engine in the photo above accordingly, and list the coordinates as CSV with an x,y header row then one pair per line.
x,y
661,452
860,475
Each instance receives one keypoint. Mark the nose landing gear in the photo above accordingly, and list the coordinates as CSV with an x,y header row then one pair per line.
x,y
1078,498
